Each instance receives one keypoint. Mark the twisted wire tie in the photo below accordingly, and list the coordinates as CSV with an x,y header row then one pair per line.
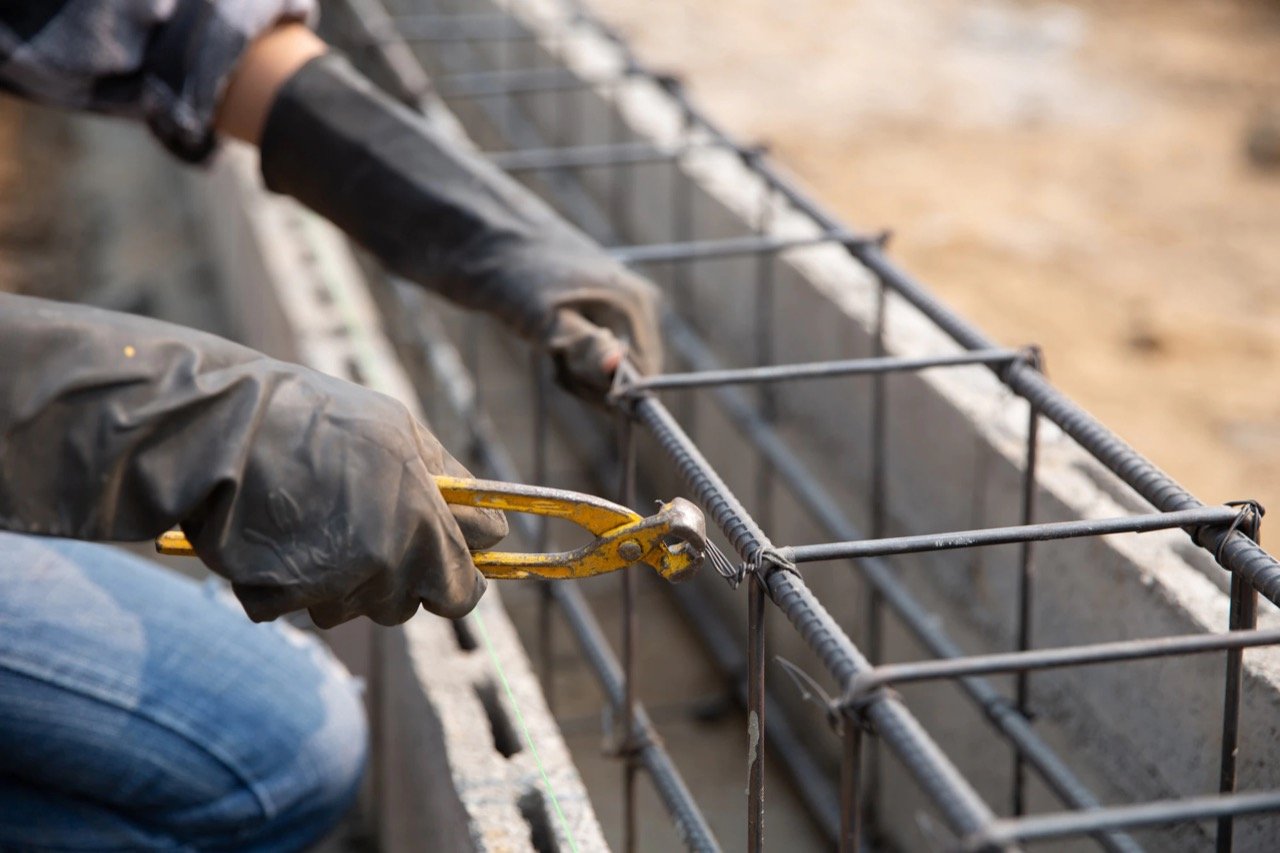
x,y
1246,521
735,574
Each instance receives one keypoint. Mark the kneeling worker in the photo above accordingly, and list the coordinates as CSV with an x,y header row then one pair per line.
x,y
137,711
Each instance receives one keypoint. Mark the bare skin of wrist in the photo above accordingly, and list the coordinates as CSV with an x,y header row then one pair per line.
x,y
267,63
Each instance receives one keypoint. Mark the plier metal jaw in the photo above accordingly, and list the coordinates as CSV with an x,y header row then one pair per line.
x,y
672,542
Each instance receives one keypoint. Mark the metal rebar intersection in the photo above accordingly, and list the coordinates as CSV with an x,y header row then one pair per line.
x,y
460,41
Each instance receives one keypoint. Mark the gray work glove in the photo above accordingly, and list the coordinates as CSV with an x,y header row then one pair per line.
x,y
302,489
439,214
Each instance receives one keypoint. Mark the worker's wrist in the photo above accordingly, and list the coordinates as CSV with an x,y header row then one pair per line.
x,y
266,65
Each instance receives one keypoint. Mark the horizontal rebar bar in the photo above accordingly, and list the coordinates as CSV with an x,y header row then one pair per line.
x,y
727,247
1211,515
1038,659
520,81
1160,812
473,27
587,156
817,370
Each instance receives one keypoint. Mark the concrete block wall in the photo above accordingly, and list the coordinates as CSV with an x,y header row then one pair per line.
x,y
1134,731
450,703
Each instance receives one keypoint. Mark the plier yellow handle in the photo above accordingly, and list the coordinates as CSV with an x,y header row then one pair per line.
x,y
672,541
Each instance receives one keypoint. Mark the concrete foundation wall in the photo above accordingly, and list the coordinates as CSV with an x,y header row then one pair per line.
x,y
1134,731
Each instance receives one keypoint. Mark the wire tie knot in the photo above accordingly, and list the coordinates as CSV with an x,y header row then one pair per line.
x,y
1032,355
752,154
765,562
769,560
732,572
863,691
1247,521
623,387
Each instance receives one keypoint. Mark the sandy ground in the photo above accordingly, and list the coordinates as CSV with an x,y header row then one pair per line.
x,y
1071,174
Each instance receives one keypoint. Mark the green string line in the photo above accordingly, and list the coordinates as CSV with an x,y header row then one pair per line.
x,y
524,727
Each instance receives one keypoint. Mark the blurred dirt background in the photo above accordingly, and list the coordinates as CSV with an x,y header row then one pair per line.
x,y
1102,178
32,145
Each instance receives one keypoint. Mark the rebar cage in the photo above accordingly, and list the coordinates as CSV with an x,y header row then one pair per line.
x,y
485,62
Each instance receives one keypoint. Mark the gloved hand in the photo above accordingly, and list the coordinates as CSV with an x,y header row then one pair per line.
x,y
439,214
302,489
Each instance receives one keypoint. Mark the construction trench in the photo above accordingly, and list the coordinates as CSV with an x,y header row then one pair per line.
x,y
747,707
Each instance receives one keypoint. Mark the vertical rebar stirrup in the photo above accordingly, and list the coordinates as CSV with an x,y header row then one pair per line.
x,y
1243,616
1022,682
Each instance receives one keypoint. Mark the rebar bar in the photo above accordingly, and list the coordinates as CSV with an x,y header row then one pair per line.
x,y
726,247
814,370
1164,812
1243,616
1028,661
1207,516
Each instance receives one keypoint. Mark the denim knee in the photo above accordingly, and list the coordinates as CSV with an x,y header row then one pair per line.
x,y
317,784
152,710
313,774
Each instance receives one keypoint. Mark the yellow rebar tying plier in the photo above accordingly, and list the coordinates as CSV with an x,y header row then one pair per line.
x,y
673,541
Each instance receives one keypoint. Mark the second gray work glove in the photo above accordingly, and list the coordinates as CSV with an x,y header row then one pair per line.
x,y
439,214
302,489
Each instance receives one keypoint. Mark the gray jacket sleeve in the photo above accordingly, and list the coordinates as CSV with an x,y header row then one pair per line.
x,y
302,489
162,61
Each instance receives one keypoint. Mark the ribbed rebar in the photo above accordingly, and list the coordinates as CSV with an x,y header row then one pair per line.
x,y
704,483
961,807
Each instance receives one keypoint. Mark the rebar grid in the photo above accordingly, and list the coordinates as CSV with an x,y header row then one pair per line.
x,y
866,702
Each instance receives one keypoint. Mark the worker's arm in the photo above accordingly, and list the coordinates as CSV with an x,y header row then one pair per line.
x,y
429,207
435,211
302,489
164,62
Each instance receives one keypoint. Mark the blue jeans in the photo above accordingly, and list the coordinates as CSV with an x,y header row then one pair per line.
x,y
140,710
